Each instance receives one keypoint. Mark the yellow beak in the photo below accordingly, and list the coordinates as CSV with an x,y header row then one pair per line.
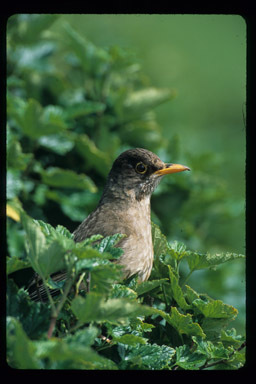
x,y
171,168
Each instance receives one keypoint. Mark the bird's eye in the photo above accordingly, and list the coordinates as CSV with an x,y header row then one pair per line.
x,y
141,168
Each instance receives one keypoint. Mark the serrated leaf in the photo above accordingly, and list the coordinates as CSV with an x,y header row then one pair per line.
x,y
189,360
95,308
230,336
191,295
212,351
90,240
45,259
120,291
177,250
215,309
104,276
176,290
159,241
184,323
212,327
149,356
198,261
130,339
110,245
34,317
64,178
147,286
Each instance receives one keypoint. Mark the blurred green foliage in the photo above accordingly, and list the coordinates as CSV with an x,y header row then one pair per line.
x,y
72,108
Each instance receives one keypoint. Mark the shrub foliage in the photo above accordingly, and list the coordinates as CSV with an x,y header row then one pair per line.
x,y
72,107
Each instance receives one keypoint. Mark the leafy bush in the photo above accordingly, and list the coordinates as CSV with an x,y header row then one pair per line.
x,y
72,108
113,326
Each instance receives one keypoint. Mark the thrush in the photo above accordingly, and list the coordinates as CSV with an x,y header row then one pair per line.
x,y
124,208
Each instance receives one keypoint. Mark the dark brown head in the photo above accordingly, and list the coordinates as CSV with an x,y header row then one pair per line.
x,y
136,173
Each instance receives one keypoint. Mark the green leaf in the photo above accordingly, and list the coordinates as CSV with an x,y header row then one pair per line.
x,y
149,285
71,353
31,26
191,295
45,259
104,276
14,264
109,245
211,351
139,102
64,178
120,291
58,143
84,336
94,157
159,241
89,240
20,350
36,122
189,360
215,309
15,157
53,118
58,233
177,250
130,339
14,185
83,109
183,323
96,308
33,316
213,326
91,57
176,290
149,356
198,261
230,337
160,247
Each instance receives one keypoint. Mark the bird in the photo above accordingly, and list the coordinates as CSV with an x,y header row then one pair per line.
x,y
124,207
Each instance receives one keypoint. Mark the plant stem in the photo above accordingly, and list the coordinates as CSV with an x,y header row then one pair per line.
x,y
56,311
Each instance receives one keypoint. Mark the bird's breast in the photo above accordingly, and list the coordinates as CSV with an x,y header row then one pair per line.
x,y
137,246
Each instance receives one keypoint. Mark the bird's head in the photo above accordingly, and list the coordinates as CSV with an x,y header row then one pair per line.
x,y
136,173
